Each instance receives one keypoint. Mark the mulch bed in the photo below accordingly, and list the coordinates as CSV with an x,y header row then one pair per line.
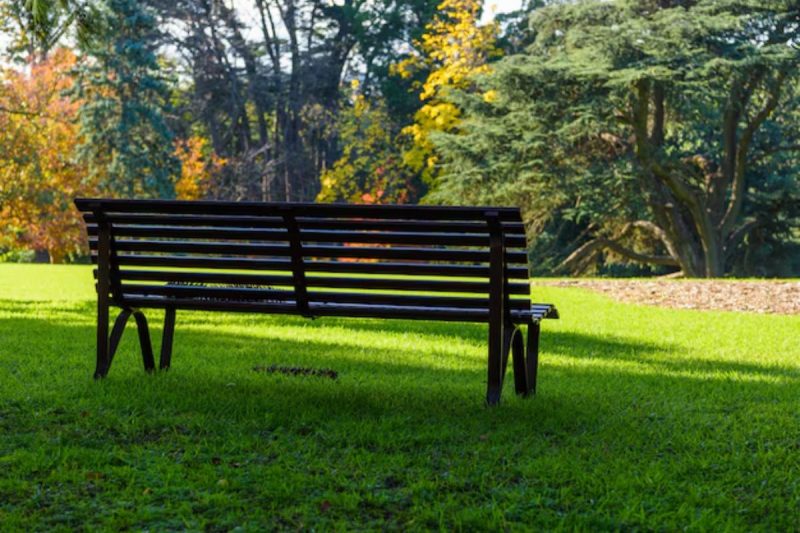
x,y
778,297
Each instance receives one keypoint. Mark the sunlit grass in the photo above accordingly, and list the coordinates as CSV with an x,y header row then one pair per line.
x,y
646,418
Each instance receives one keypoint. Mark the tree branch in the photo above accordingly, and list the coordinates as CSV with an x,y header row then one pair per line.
x,y
739,234
644,151
657,132
639,257
18,112
737,189
32,114
578,259
653,229
738,98
680,188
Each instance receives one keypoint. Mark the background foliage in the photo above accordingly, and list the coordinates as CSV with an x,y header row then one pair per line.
x,y
638,137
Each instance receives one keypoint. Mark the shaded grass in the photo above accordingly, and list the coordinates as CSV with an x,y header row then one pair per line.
x,y
646,419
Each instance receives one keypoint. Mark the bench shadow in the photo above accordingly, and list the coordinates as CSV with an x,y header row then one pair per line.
x,y
661,356
375,382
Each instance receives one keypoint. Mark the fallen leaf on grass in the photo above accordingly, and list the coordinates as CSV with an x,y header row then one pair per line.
x,y
392,482
297,371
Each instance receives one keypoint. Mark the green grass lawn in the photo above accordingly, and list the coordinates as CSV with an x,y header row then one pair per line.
x,y
646,418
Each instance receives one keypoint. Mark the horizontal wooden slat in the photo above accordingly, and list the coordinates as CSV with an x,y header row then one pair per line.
x,y
443,239
240,234
330,310
247,294
251,234
510,228
210,221
412,254
311,210
214,221
411,269
226,248
225,263
335,267
410,300
200,292
205,277
191,247
399,284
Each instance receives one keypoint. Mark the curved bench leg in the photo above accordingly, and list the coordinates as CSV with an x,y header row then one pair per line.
x,y
526,360
520,365
498,360
103,363
166,339
107,346
532,356
508,334
144,341
116,333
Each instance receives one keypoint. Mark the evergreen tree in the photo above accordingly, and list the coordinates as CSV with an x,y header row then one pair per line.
x,y
659,132
126,142
37,26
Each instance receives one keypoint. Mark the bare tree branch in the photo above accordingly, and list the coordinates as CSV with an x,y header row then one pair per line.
x,y
639,257
579,259
739,234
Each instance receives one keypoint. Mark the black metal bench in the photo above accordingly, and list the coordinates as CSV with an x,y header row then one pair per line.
x,y
461,264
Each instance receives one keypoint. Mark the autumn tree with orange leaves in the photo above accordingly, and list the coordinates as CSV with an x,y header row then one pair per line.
x,y
39,176
199,166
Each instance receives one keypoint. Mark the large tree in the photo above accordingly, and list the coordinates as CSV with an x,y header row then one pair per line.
x,y
663,132
39,178
126,142
266,79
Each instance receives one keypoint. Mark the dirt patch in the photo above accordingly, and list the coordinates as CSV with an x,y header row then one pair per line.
x,y
779,297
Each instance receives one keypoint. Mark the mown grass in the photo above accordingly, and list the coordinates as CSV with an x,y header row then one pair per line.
x,y
646,418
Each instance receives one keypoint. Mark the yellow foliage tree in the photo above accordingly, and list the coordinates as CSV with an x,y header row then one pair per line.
x,y
38,175
454,48
199,165
370,169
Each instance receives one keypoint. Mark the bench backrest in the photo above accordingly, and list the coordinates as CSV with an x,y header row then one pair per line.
x,y
422,262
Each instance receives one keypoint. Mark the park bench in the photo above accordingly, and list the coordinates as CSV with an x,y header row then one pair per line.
x,y
461,264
